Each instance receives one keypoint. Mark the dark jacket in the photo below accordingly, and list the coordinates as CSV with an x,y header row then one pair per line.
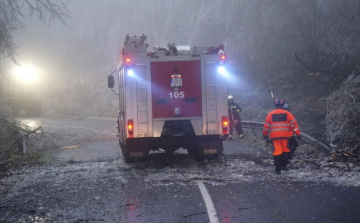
x,y
234,109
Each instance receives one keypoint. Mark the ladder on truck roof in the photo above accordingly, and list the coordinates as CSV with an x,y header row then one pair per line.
x,y
208,50
135,44
141,37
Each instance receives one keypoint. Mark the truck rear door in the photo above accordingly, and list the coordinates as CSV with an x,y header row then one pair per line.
x,y
176,88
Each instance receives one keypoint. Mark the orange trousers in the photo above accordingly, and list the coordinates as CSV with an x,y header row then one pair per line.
x,y
280,146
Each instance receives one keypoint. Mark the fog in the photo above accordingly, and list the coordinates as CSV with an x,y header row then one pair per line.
x,y
74,59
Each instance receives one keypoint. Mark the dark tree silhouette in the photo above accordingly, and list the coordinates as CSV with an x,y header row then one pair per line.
x,y
12,12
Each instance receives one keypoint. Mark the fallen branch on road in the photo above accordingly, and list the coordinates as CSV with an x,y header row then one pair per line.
x,y
192,214
13,134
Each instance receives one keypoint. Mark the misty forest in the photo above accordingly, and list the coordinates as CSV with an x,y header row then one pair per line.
x,y
305,51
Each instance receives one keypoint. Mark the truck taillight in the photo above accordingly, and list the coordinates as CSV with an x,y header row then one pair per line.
x,y
127,60
130,127
225,124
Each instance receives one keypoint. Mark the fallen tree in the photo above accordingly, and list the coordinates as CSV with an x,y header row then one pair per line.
x,y
14,136
343,116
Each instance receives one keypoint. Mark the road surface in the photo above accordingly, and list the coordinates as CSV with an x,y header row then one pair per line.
x,y
86,180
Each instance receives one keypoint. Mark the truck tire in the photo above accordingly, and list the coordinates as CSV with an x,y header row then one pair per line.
x,y
194,151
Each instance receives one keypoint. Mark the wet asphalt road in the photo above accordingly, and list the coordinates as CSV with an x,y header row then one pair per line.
x,y
89,183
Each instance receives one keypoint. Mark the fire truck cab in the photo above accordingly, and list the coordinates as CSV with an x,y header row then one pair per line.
x,y
172,98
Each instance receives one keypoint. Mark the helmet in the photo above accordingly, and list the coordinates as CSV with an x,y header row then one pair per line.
x,y
286,107
230,97
279,102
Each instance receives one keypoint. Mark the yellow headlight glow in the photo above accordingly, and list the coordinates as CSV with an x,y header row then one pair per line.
x,y
27,74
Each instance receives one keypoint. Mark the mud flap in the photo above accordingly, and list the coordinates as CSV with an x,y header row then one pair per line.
x,y
210,146
137,148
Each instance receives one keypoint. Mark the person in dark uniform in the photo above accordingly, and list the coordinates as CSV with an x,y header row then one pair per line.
x,y
234,118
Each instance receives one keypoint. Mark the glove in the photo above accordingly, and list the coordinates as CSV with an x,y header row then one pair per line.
x,y
299,137
268,141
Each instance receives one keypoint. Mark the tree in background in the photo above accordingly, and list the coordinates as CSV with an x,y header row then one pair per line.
x,y
12,12
302,50
322,35
307,49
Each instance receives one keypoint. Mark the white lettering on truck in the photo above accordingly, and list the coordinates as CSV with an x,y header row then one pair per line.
x,y
176,94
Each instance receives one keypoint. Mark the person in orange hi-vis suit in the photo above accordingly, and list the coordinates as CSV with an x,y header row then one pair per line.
x,y
279,126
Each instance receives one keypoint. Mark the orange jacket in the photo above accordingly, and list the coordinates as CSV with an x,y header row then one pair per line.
x,y
280,124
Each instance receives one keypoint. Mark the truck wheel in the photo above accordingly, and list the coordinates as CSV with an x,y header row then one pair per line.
x,y
193,151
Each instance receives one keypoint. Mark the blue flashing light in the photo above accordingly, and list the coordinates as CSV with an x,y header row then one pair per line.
x,y
130,72
222,70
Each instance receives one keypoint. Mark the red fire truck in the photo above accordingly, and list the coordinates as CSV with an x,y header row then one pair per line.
x,y
174,97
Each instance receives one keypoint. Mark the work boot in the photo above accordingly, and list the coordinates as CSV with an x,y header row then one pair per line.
x,y
230,137
277,162
284,168
285,159
277,171
241,136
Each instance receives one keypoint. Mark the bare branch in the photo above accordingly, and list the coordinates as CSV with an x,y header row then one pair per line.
x,y
313,69
12,13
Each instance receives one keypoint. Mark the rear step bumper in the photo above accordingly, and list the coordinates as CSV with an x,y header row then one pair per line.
x,y
205,144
